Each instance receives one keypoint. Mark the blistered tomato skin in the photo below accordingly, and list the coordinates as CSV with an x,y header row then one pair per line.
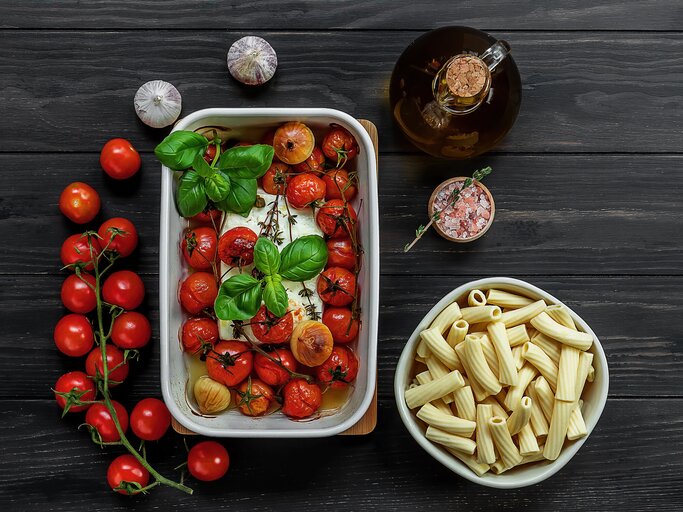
x,y
301,399
339,145
254,397
268,328
198,292
337,286
236,246
342,325
339,185
336,219
305,189
314,163
199,247
274,181
210,216
274,373
340,253
230,362
79,202
197,332
340,369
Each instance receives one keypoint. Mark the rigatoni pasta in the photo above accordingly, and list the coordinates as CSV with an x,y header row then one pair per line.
x,y
543,323
507,371
420,395
486,453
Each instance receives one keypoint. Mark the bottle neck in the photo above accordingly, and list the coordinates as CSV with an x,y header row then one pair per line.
x,y
462,84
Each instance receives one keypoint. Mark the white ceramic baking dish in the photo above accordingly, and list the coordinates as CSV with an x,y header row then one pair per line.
x,y
173,369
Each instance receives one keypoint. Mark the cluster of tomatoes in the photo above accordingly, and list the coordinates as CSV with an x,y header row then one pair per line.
x,y
261,380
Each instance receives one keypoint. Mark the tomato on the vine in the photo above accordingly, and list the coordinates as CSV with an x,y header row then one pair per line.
x,y
75,250
199,247
99,417
336,219
340,369
343,326
79,202
337,286
131,330
78,386
198,292
124,288
230,362
301,398
119,159
126,468
339,145
274,373
274,181
73,335
118,370
77,294
120,235
150,419
314,163
210,215
208,461
340,253
269,328
339,185
198,333
305,189
254,397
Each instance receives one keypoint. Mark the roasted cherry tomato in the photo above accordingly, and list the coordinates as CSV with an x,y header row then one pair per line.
x,y
305,189
210,215
120,235
342,325
198,292
269,328
336,219
210,153
118,370
150,419
314,163
99,417
208,461
301,398
119,159
274,181
79,386
131,330
230,362
274,373
340,369
75,249
337,286
236,246
198,333
254,397
339,185
339,145
340,253
77,295
79,202
199,247
124,288
126,468
73,335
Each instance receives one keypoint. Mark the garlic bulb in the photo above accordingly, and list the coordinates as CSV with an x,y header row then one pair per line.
x,y
158,103
252,61
211,396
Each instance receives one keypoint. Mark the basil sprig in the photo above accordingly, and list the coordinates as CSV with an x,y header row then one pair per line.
x,y
240,297
229,181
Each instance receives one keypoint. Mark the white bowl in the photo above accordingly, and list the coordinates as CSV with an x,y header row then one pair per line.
x,y
174,373
594,396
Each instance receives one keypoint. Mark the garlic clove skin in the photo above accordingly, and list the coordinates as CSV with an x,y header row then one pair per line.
x,y
212,397
252,60
157,103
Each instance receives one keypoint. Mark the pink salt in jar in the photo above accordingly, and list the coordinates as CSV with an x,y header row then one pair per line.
x,y
469,218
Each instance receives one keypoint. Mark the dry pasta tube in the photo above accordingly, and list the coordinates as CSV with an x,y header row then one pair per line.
x,y
535,355
499,467
457,332
470,461
440,348
517,356
515,393
498,409
486,453
591,374
422,350
577,426
479,393
538,422
446,318
520,416
548,345
437,388
549,327
545,397
585,364
528,444
477,314
489,352
522,315
558,429
509,454
423,378
561,315
476,298
507,371
517,335
461,444
506,299
480,368
465,404
438,369
568,372
446,422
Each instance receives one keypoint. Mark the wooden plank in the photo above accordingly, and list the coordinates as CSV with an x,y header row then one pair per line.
x,y
631,315
343,14
583,92
559,214
387,470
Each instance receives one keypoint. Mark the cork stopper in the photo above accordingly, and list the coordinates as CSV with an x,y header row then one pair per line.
x,y
466,76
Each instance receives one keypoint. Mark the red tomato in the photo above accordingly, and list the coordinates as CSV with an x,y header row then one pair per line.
x,y
120,234
98,416
243,143
336,219
210,153
208,461
305,189
77,296
314,163
79,386
131,330
337,286
79,202
119,159
199,247
198,292
124,288
342,325
254,397
150,419
340,253
339,185
274,181
230,362
268,137
126,468
339,145
301,398
75,250
197,332
94,365
271,329
210,215
340,369
274,373
73,335
236,246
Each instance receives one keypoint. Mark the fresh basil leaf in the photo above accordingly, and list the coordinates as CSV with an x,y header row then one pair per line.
x,y
217,187
275,296
266,256
303,258
239,298
191,195
241,197
246,161
179,150
202,167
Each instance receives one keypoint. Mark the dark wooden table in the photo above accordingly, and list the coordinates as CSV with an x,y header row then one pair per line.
x,y
588,187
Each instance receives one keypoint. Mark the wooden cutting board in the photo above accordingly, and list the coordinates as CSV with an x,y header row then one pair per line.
x,y
369,420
